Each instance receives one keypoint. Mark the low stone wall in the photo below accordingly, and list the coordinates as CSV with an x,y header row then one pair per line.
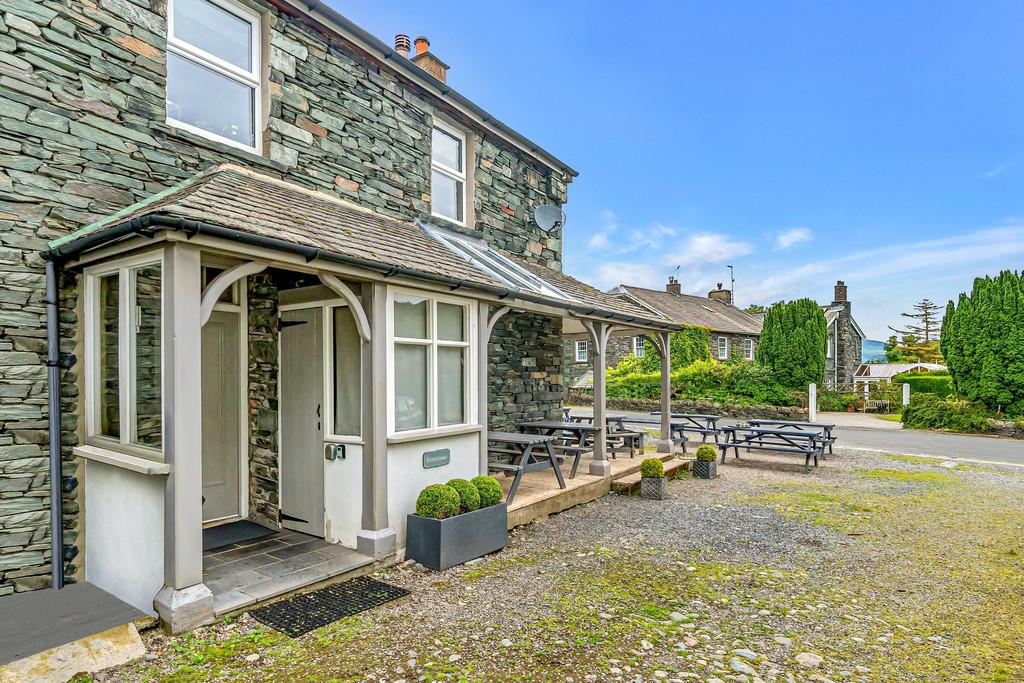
x,y
579,397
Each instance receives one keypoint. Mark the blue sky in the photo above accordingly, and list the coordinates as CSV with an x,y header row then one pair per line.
x,y
879,143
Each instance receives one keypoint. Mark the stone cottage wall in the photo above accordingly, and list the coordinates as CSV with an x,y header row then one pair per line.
x,y
848,352
82,134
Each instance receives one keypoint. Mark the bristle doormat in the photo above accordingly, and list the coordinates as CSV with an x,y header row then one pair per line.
x,y
242,531
303,613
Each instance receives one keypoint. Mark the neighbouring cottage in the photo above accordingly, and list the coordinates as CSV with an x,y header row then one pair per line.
x,y
287,260
732,333
845,341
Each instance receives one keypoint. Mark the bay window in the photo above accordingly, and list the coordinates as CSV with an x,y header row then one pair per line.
x,y
431,362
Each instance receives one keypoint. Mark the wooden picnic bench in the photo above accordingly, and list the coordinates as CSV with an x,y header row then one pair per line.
x,y
514,455
808,443
824,429
620,439
705,425
676,433
572,437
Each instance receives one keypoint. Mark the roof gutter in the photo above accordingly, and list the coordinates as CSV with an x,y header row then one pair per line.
x,y
147,225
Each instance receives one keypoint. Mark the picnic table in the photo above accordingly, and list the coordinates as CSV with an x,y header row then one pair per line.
x,y
515,454
620,439
809,443
705,425
573,437
823,428
676,433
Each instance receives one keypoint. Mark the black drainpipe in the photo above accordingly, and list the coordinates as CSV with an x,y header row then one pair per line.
x,y
53,389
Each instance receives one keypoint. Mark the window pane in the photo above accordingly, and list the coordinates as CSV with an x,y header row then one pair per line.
x,y
451,385
205,99
410,387
451,324
446,150
446,196
411,317
109,389
214,30
147,356
347,374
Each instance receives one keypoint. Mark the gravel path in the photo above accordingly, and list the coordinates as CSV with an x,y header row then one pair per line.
x,y
871,568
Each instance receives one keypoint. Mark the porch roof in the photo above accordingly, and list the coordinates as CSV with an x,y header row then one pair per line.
x,y
237,204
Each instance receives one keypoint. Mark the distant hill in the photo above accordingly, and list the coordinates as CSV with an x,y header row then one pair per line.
x,y
872,350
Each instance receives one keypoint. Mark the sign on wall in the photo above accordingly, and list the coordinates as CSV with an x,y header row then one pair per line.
x,y
438,458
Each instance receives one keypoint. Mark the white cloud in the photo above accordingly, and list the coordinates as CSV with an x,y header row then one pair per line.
x,y
791,237
612,273
707,247
598,240
999,169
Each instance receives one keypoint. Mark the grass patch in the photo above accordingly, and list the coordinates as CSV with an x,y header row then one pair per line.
x,y
920,459
895,417
907,476
499,565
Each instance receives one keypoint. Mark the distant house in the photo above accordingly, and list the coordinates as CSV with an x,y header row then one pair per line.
x,y
733,332
873,373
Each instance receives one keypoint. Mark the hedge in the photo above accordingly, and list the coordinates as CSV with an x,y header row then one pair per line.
x,y
938,382
739,382
929,411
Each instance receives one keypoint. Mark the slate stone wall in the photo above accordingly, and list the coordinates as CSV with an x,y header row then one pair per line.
x,y
82,134
264,472
525,367
847,350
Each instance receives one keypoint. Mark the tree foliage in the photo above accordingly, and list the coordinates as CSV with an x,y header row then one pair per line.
x,y
687,346
927,322
793,341
983,342
917,341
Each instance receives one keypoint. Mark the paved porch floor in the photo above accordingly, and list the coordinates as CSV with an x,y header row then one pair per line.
x,y
242,574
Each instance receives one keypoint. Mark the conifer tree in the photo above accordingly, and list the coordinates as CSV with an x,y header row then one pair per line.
x,y
793,341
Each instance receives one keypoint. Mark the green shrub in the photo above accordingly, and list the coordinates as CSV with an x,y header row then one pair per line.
x,y
489,490
707,453
929,411
938,382
468,495
686,346
733,382
652,468
793,341
838,402
438,501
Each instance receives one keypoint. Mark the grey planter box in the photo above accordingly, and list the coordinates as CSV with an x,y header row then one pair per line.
x,y
703,469
654,488
443,543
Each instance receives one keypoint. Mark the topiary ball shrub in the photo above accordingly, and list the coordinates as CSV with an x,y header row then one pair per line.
x,y
707,453
468,494
489,490
652,468
438,501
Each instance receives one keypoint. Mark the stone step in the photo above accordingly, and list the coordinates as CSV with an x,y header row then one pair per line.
x,y
630,483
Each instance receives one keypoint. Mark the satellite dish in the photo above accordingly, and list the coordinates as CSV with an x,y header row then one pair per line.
x,y
548,217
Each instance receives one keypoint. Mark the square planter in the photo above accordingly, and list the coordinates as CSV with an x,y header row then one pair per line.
x,y
703,469
443,543
654,488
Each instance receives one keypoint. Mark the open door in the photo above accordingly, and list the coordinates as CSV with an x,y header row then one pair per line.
x,y
221,417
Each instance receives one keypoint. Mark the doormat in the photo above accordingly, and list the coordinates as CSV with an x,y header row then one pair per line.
x,y
303,613
242,531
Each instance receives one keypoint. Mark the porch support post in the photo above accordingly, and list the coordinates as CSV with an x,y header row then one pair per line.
x,y
599,333
661,343
486,320
184,602
376,539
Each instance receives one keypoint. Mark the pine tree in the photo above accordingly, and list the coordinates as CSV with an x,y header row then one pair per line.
x,y
793,341
918,342
927,323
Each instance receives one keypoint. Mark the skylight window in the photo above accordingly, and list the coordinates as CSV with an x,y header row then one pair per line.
x,y
494,263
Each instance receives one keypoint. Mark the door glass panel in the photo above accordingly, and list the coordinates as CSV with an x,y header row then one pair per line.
x,y
207,100
347,374
410,387
411,317
109,388
451,324
214,30
451,385
147,356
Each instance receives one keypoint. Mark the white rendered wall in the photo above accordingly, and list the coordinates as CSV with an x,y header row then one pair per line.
x,y
343,496
124,533
407,477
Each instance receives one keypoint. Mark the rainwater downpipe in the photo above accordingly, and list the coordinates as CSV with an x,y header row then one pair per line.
x,y
53,391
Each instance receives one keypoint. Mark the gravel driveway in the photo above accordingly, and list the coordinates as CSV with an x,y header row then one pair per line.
x,y
872,568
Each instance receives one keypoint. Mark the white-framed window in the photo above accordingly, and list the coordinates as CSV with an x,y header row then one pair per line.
x,y
638,347
582,351
448,173
748,348
722,348
828,347
431,363
214,70
124,355
345,391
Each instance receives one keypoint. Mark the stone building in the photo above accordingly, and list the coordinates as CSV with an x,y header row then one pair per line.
x,y
732,333
190,165
845,340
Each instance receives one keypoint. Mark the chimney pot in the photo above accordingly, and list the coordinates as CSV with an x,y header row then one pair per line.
x,y
422,45
428,61
402,44
673,286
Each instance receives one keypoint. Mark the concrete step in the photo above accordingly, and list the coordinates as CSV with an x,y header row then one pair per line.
x,y
630,483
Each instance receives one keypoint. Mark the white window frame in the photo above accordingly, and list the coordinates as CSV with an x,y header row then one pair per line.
x,y
638,347
127,318
469,393
582,351
329,308
456,175
252,78
828,346
720,342
748,344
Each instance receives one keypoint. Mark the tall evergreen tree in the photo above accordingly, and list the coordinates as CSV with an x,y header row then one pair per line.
x,y
982,340
793,341
926,322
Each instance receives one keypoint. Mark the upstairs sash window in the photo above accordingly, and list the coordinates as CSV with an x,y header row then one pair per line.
x,y
448,174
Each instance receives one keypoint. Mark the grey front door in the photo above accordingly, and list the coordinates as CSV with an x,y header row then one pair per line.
x,y
221,415
302,426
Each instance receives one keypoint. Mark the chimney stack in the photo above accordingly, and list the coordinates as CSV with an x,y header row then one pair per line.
x,y
719,294
673,286
402,44
840,292
426,60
